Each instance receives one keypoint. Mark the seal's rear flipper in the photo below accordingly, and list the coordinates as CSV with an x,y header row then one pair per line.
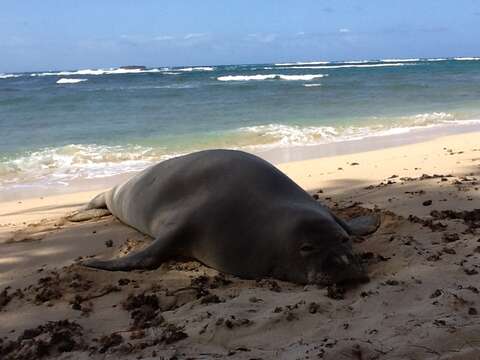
x,y
98,202
84,215
95,209
149,258
364,225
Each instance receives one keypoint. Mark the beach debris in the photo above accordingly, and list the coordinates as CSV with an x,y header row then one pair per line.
x,y
172,334
434,226
144,310
392,282
313,307
336,292
124,281
427,203
5,298
470,271
211,299
272,285
48,340
109,341
424,177
450,251
109,243
450,237
471,218
234,322
48,288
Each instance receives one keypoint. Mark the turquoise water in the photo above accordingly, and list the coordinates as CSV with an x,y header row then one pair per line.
x,y
63,125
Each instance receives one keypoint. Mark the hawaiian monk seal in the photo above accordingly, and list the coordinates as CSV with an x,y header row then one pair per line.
x,y
234,212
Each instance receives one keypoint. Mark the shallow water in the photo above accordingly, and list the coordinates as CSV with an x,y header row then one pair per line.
x,y
62,126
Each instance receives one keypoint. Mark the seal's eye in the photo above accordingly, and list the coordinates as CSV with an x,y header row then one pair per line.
x,y
306,248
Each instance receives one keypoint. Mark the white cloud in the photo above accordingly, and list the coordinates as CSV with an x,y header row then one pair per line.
x,y
344,30
265,38
163,38
194,36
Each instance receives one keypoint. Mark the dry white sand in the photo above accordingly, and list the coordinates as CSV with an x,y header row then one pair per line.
x,y
422,301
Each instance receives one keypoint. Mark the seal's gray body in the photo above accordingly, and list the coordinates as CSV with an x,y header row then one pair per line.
x,y
233,212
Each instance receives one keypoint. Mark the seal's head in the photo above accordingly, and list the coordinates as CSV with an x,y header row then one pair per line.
x,y
320,252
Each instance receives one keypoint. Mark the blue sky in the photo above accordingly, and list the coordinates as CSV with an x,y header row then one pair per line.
x,y
67,34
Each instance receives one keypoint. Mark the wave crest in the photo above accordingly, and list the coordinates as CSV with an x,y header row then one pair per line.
x,y
346,66
258,77
70,81
111,71
196,68
9,76
467,58
63,164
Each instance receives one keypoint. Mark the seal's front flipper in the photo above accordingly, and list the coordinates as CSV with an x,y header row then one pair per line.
x,y
364,225
149,258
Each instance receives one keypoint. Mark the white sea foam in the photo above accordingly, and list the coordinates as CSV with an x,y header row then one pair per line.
x,y
70,81
9,76
197,68
280,135
257,77
312,85
373,62
345,66
64,164
355,62
399,60
467,58
304,63
111,71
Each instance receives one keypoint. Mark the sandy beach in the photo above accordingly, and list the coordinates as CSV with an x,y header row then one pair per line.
x,y
422,301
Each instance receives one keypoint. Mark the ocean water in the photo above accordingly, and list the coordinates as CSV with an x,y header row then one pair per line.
x,y
60,126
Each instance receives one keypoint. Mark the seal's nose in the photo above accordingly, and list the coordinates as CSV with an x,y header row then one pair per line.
x,y
345,268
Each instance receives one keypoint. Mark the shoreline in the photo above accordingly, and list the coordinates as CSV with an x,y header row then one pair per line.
x,y
276,155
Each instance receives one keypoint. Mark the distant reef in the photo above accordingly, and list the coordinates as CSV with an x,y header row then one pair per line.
x,y
133,67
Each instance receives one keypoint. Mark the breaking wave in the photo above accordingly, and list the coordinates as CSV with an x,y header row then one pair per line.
x,y
197,68
9,76
111,71
63,164
70,81
304,63
399,60
274,135
345,66
270,77
467,58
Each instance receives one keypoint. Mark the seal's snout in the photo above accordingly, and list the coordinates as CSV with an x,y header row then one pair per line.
x,y
345,268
